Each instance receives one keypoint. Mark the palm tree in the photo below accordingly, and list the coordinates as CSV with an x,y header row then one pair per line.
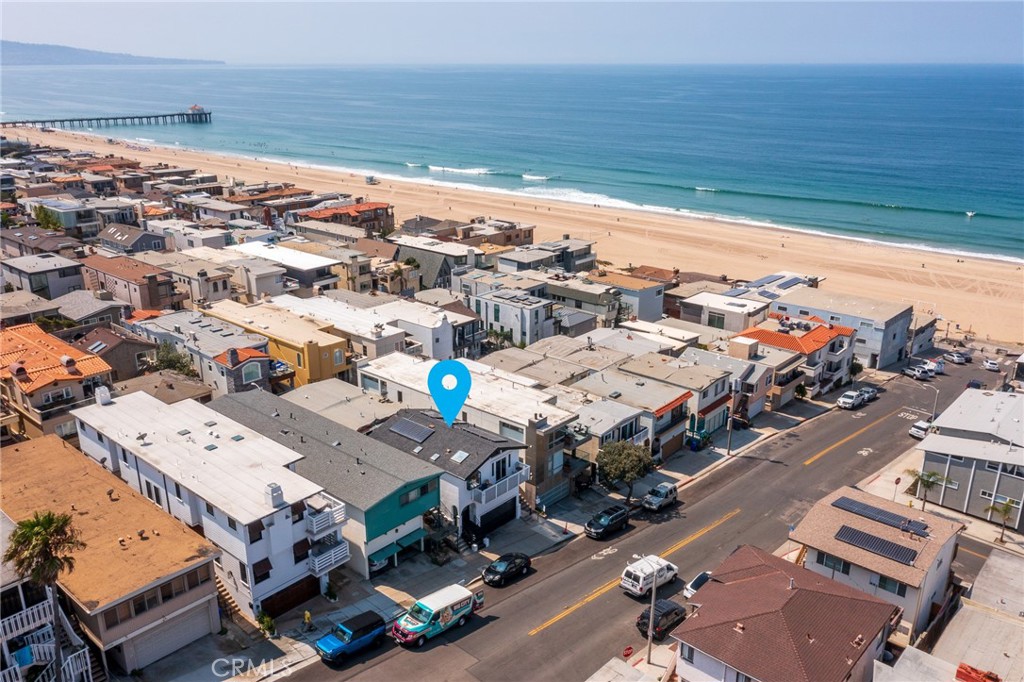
x,y
40,549
926,480
1005,511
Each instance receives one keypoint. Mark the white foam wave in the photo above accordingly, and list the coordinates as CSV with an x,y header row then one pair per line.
x,y
705,189
414,165
460,171
535,178
145,139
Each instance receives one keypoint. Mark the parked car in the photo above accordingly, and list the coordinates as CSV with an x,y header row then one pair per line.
x,y
974,383
927,369
352,636
935,366
850,400
869,393
607,522
695,584
505,568
644,574
667,615
916,373
660,496
920,429
990,365
956,358
448,607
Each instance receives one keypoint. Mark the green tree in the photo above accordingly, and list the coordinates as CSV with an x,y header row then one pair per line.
x,y
46,219
1005,511
856,368
926,480
800,391
168,358
41,549
6,220
623,461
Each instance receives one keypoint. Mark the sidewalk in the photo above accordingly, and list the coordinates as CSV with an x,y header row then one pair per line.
x,y
883,484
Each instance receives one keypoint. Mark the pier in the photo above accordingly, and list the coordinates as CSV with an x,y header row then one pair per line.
x,y
195,114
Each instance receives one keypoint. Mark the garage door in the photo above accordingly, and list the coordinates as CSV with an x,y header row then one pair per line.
x,y
499,515
291,596
172,635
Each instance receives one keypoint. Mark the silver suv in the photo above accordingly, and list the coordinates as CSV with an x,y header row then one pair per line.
x,y
659,497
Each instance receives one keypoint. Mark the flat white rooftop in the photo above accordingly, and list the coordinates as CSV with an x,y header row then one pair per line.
x,y
708,299
275,322
359,322
289,258
234,259
431,244
421,314
223,462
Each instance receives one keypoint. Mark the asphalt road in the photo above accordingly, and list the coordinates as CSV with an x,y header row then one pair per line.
x,y
568,617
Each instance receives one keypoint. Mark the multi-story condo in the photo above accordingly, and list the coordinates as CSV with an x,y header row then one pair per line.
x,y
873,545
309,269
203,207
525,318
436,259
443,334
251,278
370,334
144,286
279,534
722,312
42,378
206,281
601,299
47,275
749,381
353,268
143,586
76,218
639,298
371,217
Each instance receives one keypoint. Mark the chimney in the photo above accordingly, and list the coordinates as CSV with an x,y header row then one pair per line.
x,y
565,235
739,628
792,584
274,495
232,357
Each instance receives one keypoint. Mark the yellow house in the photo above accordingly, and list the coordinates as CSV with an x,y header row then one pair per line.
x,y
308,346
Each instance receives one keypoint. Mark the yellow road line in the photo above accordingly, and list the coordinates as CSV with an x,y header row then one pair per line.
x,y
853,435
612,584
964,549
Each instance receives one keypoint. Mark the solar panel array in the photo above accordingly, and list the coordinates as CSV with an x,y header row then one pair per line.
x,y
791,282
919,528
734,292
767,279
769,295
411,430
877,545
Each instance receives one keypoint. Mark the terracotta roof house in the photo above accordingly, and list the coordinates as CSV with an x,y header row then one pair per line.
x,y
42,378
763,618
143,285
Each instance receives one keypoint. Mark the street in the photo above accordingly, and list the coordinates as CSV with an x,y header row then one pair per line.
x,y
568,617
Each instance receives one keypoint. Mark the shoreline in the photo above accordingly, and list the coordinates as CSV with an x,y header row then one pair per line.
x,y
979,292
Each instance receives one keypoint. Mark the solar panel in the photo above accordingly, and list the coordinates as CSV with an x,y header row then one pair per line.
x,y
791,282
411,430
767,279
769,295
734,292
877,545
919,528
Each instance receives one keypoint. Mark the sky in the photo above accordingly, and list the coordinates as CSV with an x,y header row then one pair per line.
x,y
627,32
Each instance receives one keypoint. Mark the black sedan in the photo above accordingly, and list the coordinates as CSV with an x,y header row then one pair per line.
x,y
506,567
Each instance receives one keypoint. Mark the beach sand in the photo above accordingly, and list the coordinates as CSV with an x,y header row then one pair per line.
x,y
978,294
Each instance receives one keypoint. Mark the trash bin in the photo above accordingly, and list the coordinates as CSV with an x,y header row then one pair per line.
x,y
474,547
487,543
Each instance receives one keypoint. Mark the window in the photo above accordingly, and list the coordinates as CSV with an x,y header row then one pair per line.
x,y
56,396
300,551
687,653
255,531
146,601
339,357
251,372
477,306
834,563
992,466
1000,499
1015,470
172,589
783,309
894,586
740,677
371,384
298,511
716,320
953,485
298,359
232,524
511,431
833,318
209,509
410,496
497,313
243,574
805,313
100,438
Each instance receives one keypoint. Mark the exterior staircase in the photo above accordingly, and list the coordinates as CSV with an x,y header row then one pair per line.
x,y
95,656
230,609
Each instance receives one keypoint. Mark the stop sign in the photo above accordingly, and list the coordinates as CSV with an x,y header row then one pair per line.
x,y
897,480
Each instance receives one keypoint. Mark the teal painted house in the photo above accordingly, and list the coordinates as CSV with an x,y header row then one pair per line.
x,y
386,491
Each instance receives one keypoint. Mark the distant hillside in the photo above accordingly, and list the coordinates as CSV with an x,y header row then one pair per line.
x,y
29,54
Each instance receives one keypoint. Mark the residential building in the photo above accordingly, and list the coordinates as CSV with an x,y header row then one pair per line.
x,y
21,307
664,405
306,346
343,403
977,443
32,241
675,294
346,234
637,342
436,259
279,534
353,268
570,255
47,275
572,322
127,354
204,207
309,269
640,298
208,343
444,334
166,386
524,318
144,286
870,544
762,618
883,328
90,307
369,333
125,239
601,422
501,403
478,231
828,348
143,583
183,237
722,312
76,218
42,378
663,331
582,352
922,332
206,281
481,472
749,381
520,259
386,492
545,371
251,278
470,282
373,217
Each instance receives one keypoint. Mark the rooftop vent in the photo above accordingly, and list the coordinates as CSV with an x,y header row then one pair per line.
x,y
274,495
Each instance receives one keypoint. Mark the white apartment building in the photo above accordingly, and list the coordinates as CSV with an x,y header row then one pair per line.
x,y
309,269
279,533
370,334
513,311
443,334
722,312
253,278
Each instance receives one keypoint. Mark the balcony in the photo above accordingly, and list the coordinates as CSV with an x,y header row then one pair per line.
x,y
56,408
27,620
489,492
291,284
786,383
324,556
639,437
324,514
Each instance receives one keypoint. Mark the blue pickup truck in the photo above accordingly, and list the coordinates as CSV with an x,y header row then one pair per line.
x,y
352,636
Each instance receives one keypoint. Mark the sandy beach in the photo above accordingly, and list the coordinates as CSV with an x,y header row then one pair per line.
x,y
978,294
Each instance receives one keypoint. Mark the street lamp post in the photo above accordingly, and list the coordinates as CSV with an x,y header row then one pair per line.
x,y
650,619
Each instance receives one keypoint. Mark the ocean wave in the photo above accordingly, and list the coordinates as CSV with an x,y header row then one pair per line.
x,y
535,178
460,171
413,165
145,139
705,189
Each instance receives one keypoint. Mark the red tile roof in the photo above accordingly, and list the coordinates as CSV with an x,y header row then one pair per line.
x,y
778,622
244,355
41,354
142,315
806,343
124,268
354,210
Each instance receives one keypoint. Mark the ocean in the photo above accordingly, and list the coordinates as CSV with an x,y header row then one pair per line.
x,y
925,156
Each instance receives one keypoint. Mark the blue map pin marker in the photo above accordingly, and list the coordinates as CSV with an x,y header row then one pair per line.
x,y
449,383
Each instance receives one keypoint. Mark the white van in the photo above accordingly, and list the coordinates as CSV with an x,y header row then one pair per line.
x,y
936,366
640,576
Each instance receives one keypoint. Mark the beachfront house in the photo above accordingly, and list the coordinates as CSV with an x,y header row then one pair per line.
x,y
722,312
436,259
639,299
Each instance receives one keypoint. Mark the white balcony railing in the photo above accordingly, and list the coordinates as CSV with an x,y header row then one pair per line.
x,y
43,653
29,619
323,558
12,674
76,666
488,494
331,514
639,437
